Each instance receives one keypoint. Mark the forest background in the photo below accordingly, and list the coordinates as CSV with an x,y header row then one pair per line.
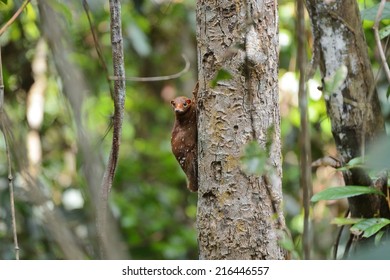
x,y
153,211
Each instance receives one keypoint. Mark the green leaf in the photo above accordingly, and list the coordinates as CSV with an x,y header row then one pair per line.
x,y
334,81
6,6
378,154
287,244
384,32
254,159
221,75
370,226
345,221
139,39
64,10
370,13
353,163
378,237
343,192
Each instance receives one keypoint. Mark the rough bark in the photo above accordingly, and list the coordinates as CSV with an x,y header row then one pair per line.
x,y
117,120
354,108
239,215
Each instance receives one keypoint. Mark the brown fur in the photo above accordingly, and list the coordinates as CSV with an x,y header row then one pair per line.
x,y
184,138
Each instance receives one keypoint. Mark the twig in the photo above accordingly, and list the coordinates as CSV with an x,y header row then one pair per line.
x,y
327,161
348,246
1,84
98,47
339,18
119,104
11,189
378,40
133,79
9,163
158,78
337,242
13,18
305,158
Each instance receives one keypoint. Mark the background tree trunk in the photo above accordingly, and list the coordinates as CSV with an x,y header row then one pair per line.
x,y
76,91
239,215
353,108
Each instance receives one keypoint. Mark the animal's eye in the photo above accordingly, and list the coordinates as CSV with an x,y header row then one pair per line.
x,y
185,104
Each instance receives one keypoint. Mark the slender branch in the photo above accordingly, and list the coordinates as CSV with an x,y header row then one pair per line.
x,y
1,84
119,103
13,18
9,163
337,242
158,78
378,40
326,161
305,158
119,91
11,189
348,246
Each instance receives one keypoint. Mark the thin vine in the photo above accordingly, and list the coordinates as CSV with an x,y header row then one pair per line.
x,y
9,163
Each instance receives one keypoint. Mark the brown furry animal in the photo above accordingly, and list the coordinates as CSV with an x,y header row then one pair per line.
x,y
185,137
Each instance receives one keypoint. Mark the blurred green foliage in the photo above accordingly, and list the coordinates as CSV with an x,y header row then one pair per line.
x,y
150,203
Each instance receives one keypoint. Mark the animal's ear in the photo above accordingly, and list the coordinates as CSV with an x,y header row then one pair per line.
x,y
188,101
173,103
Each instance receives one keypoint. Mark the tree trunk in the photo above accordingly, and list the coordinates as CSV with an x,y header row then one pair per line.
x,y
353,108
239,215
